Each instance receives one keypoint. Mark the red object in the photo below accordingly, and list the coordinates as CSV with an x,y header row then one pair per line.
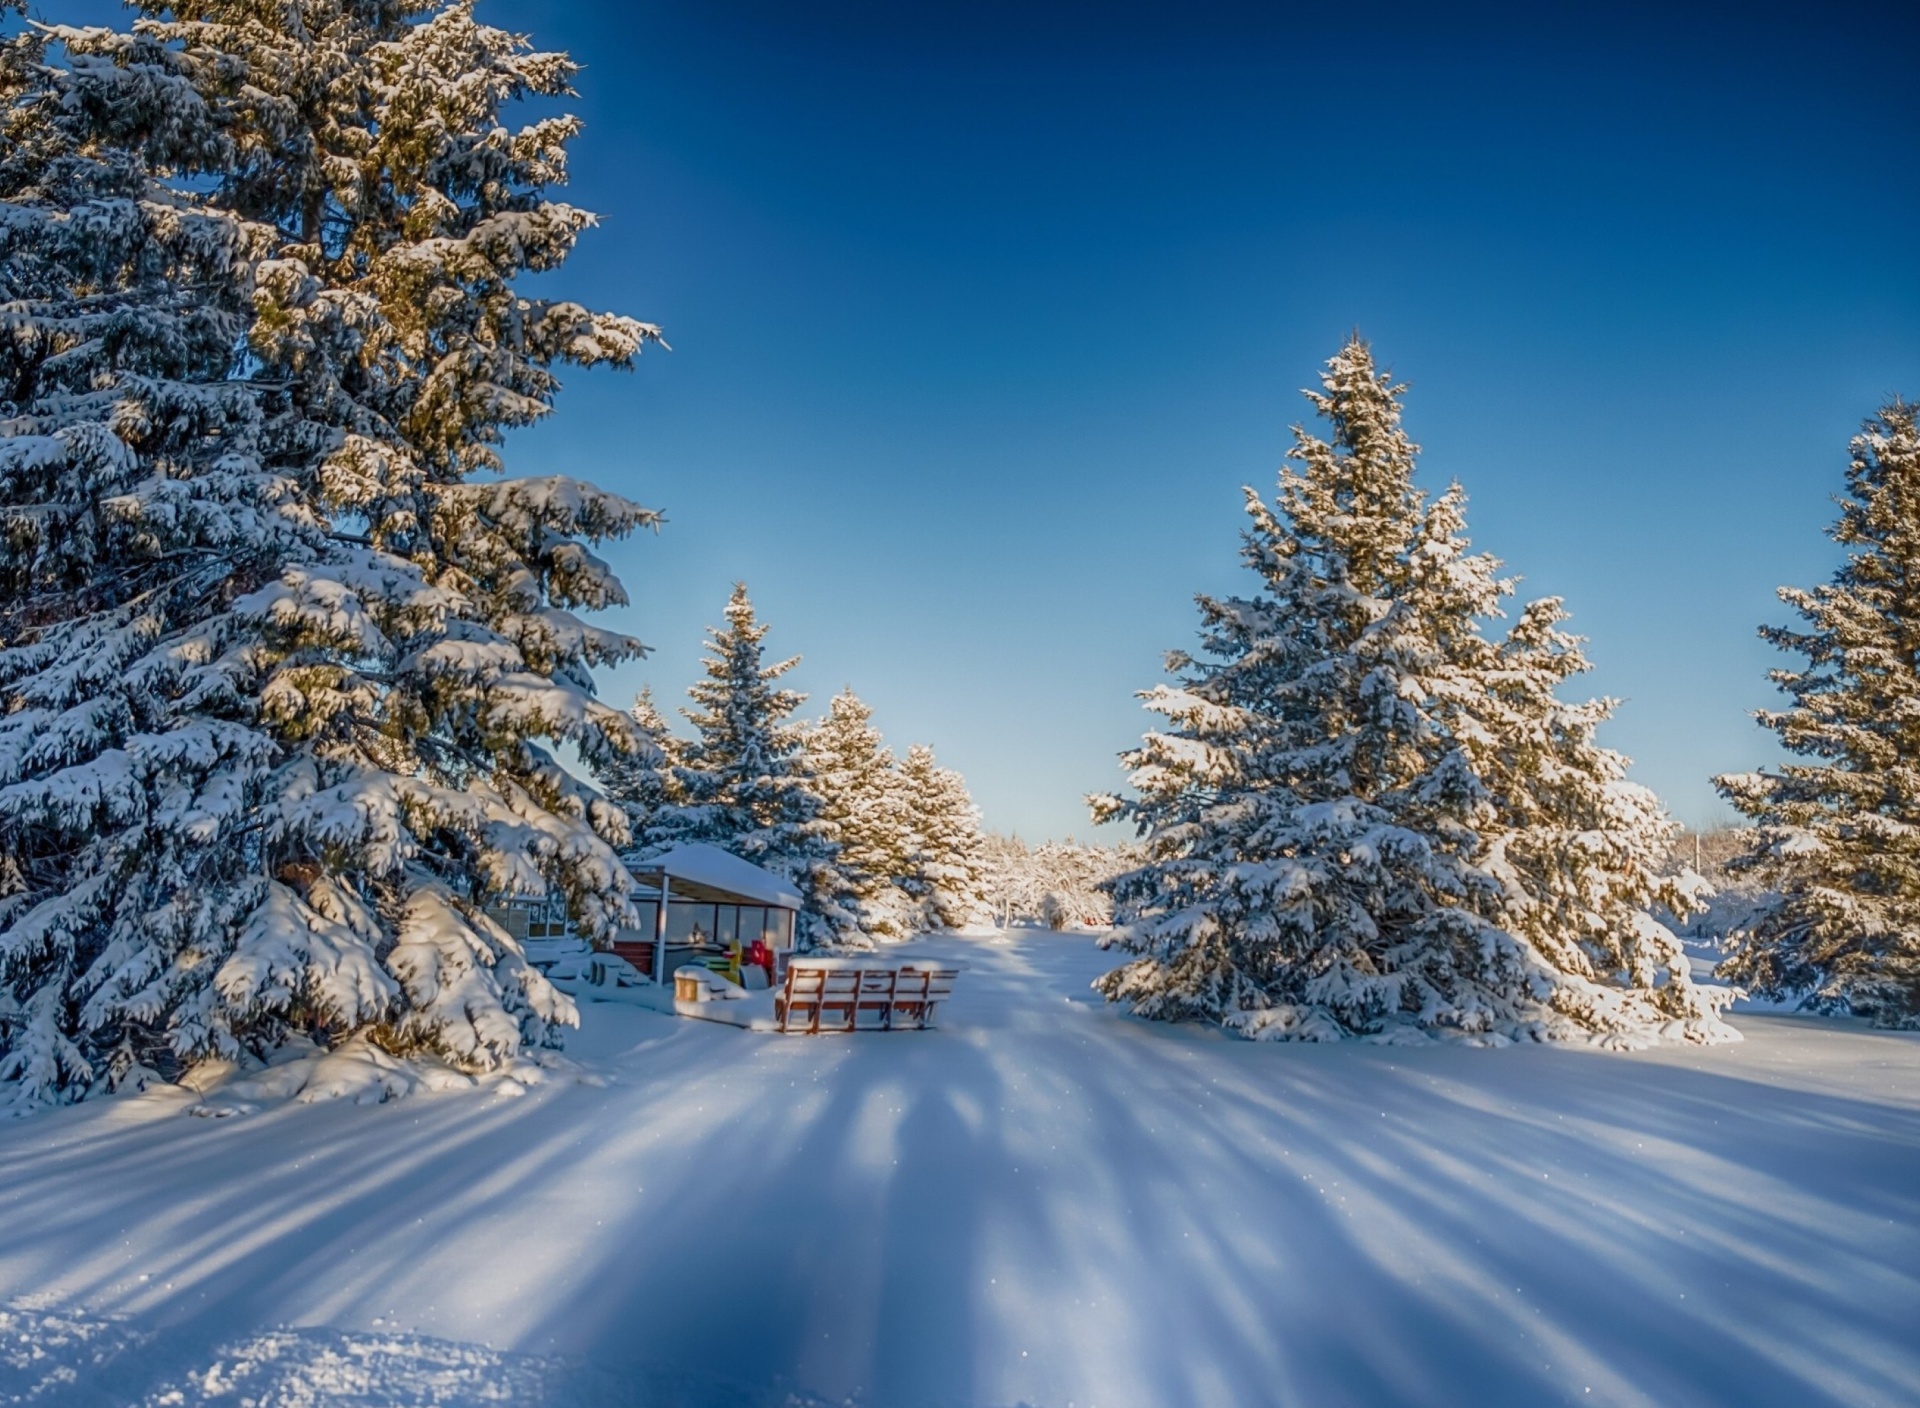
x,y
760,956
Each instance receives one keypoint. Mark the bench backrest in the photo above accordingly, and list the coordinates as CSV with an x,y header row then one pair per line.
x,y
815,999
935,987
865,997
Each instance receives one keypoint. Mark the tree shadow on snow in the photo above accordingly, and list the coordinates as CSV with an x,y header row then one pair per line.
x,y
1044,1202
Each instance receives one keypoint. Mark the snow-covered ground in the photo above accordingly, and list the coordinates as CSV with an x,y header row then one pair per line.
x,y
1043,1203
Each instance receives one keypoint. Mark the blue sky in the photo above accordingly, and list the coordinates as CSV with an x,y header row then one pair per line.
x,y
982,313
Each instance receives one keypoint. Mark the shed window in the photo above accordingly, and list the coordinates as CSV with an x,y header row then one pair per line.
x,y
547,918
689,923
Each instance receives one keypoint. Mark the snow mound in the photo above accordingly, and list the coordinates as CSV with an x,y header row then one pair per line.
x,y
301,1368
361,1074
54,1356
58,1356
44,1353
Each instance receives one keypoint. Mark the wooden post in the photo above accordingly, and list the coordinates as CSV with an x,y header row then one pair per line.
x,y
660,934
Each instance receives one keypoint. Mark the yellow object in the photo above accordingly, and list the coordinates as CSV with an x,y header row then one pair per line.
x,y
727,964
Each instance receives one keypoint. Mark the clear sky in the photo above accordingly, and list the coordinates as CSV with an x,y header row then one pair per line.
x,y
982,313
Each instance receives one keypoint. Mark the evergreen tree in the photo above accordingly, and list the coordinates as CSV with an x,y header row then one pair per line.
x,y
945,868
1578,851
132,492
1838,835
866,811
744,784
1362,816
277,677
1282,895
640,781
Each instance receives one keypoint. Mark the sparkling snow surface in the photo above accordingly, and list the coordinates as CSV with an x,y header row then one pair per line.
x,y
1044,1203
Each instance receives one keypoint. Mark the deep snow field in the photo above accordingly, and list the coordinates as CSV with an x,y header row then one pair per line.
x,y
1043,1203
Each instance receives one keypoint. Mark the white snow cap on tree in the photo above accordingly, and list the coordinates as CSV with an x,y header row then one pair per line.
x,y
1837,838
278,677
742,783
1363,818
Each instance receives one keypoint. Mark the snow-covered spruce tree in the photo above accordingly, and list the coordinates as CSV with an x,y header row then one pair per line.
x,y
1317,812
1580,852
1281,894
866,811
640,780
744,785
1838,835
945,868
272,740
132,494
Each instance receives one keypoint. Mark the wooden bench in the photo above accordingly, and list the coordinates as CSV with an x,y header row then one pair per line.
x,y
836,996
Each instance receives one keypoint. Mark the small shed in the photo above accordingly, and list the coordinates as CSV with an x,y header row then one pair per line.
x,y
698,900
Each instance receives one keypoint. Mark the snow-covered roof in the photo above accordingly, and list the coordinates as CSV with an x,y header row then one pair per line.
x,y
715,869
